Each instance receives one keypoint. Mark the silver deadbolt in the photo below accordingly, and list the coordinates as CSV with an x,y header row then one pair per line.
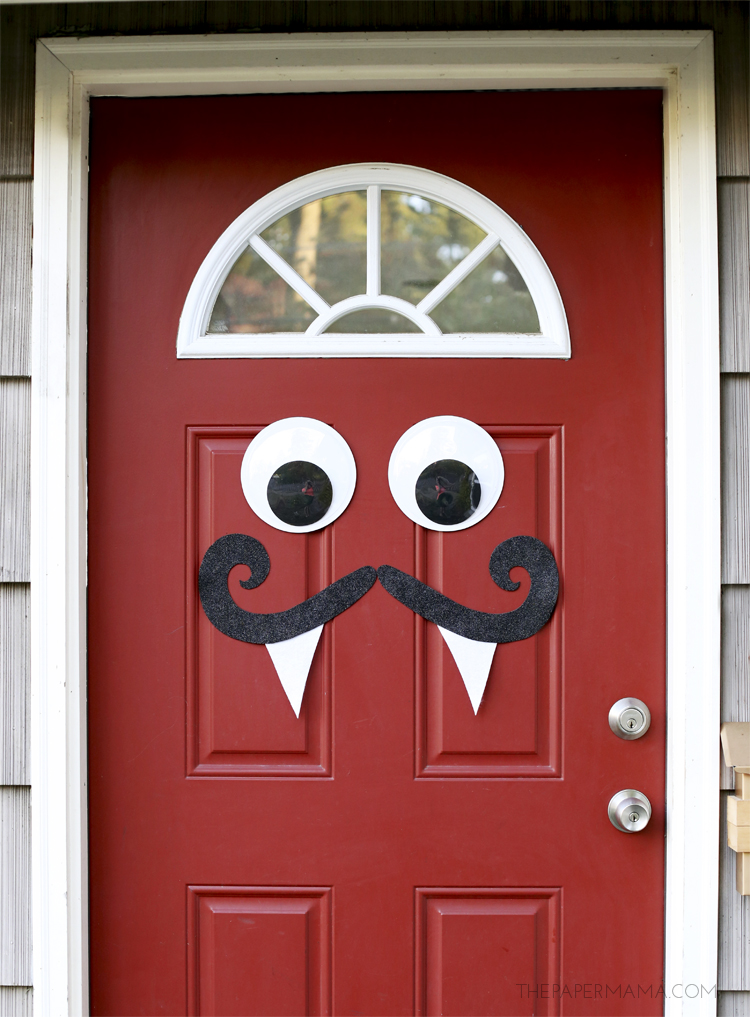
x,y
629,811
630,718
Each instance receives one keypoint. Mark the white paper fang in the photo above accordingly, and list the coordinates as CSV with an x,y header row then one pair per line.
x,y
473,660
292,659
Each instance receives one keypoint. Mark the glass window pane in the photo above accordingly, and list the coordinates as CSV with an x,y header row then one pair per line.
x,y
492,298
375,320
326,242
421,241
255,299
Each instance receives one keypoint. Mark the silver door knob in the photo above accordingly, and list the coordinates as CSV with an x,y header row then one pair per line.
x,y
629,718
629,811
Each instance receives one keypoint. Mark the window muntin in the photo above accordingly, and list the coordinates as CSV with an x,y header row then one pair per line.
x,y
374,260
421,242
326,242
254,298
497,296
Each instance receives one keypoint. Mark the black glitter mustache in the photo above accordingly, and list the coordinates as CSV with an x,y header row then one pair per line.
x,y
526,552
227,617
249,627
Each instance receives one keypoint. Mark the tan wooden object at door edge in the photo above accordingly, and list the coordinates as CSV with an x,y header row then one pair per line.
x,y
735,741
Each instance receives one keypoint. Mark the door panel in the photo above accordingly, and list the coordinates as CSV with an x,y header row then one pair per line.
x,y
480,950
516,731
388,850
240,721
261,951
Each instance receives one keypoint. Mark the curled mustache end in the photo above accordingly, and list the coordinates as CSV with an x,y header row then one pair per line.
x,y
249,627
508,627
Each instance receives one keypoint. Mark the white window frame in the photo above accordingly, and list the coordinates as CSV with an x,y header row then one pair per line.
x,y
69,71
553,339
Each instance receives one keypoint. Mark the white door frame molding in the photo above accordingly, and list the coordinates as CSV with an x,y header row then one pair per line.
x,y
71,70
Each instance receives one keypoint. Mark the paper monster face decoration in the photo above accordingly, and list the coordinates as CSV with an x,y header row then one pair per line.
x,y
445,473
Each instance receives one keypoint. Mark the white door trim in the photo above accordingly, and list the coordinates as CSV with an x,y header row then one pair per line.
x,y
71,70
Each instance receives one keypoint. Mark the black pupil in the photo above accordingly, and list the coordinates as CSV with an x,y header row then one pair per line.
x,y
299,493
448,492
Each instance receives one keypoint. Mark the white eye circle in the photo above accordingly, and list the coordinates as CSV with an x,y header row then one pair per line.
x,y
446,473
298,474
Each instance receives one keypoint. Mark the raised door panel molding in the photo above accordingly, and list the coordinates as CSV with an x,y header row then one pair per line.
x,y
15,276
14,682
14,479
240,722
482,950
734,274
259,950
735,478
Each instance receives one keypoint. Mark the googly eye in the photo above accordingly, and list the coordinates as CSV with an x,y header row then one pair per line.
x,y
298,474
446,473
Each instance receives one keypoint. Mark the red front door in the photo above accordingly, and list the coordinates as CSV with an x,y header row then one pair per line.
x,y
389,851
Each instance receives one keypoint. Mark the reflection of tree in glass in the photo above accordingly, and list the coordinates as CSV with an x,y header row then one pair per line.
x,y
306,245
255,299
421,241
325,241
492,298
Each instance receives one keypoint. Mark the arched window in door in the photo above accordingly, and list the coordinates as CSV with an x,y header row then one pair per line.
x,y
373,260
